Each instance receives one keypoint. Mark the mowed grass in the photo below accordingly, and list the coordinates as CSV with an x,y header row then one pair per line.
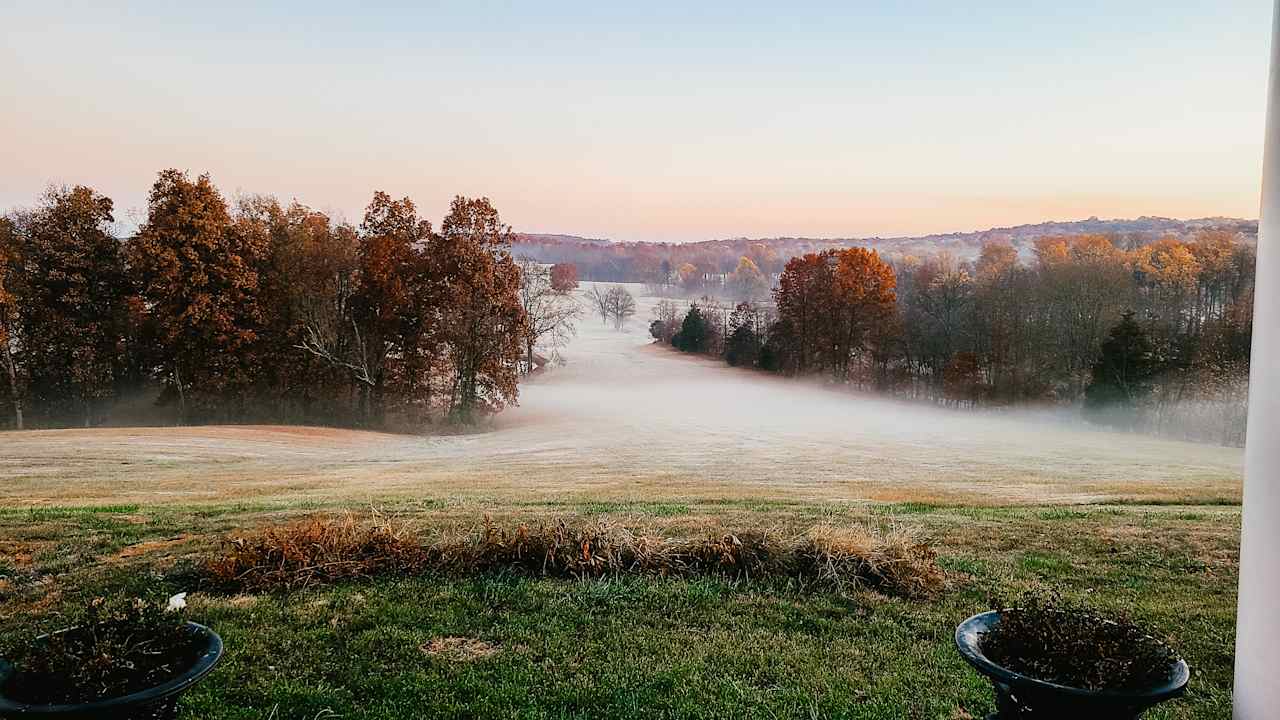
x,y
506,646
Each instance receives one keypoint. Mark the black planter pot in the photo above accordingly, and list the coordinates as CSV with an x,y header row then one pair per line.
x,y
1019,697
157,703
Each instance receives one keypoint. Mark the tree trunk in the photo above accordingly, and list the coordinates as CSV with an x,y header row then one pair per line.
x,y
11,370
182,396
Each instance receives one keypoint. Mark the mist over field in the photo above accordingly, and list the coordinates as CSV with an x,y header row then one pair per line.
x,y
623,418
649,411
662,362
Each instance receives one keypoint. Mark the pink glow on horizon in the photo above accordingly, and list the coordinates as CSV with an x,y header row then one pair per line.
x,y
668,125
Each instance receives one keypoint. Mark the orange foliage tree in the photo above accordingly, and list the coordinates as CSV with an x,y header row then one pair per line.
x,y
482,332
862,304
803,297
564,277
394,301
832,303
305,273
196,274
74,314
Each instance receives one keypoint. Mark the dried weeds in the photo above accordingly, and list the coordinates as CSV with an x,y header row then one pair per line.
x,y
892,560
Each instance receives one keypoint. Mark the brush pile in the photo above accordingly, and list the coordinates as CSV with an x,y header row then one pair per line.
x,y
315,550
323,550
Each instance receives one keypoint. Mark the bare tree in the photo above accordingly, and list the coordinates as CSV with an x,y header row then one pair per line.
x,y
716,314
620,305
549,313
599,300
666,320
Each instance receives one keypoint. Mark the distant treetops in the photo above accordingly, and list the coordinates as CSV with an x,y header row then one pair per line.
x,y
256,311
1150,335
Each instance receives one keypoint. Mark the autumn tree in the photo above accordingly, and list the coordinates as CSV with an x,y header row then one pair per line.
x,y
9,316
938,314
803,297
195,273
377,315
483,328
564,277
549,313
305,282
393,303
746,282
1083,285
1167,274
328,271
73,311
765,258
1006,323
862,301
689,277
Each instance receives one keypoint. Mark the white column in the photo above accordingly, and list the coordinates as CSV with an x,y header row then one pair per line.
x,y
1257,684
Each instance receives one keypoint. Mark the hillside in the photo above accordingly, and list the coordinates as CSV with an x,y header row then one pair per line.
x,y
599,259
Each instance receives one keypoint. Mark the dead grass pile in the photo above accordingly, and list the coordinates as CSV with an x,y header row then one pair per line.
x,y
554,550
316,550
741,556
892,560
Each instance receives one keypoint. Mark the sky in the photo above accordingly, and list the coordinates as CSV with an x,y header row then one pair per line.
x,y
665,121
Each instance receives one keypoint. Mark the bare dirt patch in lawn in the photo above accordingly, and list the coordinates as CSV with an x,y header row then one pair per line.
x,y
460,649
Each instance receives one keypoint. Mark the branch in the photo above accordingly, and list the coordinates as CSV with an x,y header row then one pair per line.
x,y
315,345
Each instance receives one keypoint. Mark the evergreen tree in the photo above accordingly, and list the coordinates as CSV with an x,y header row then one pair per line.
x,y
693,332
742,348
1124,371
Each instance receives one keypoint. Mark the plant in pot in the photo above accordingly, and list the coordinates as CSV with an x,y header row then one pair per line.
x,y
122,659
1052,659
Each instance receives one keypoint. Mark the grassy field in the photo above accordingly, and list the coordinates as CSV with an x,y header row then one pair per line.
x,y
505,646
625,419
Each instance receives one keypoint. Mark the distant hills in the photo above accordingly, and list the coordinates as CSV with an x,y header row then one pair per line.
x,y
965,244
1139,230
554,238
602,259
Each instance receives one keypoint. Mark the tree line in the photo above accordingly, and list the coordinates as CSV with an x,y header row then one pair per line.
x,y
260,311
1152,337
704,267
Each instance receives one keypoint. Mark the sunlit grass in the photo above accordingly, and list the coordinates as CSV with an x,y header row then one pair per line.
x,y
640,647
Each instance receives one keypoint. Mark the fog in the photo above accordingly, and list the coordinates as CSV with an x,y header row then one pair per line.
x,y
621,404
623,419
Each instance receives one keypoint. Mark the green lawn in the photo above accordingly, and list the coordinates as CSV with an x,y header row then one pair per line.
x,y
505,646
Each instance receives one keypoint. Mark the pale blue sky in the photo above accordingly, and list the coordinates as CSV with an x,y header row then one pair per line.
x,y
654,120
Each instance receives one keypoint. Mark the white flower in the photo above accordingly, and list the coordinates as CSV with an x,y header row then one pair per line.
x,y
177,602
